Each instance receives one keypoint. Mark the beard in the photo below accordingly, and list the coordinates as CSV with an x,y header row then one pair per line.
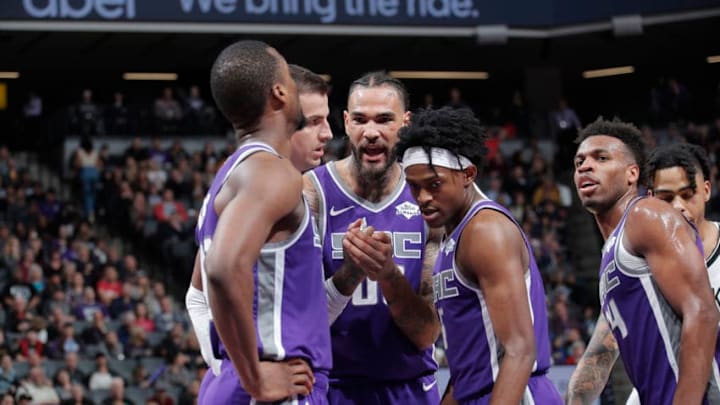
x,y
371,177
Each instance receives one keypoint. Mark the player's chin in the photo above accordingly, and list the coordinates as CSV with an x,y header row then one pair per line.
x,y
434,219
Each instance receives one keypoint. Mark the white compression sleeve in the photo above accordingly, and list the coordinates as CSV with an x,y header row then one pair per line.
x,y
336,301
199,312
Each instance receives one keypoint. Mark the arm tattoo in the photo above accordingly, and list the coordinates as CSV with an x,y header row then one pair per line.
x,y
593,370
414,313
347,278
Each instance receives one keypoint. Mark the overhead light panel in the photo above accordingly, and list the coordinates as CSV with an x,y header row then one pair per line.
x,y
614,71
150,76
713,59
9,75
438,75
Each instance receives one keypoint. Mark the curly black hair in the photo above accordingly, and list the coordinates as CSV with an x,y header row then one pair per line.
x,y
685,155
454,129
626,132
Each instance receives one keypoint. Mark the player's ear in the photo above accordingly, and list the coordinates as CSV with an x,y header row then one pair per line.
x,y
708,189
470,173
633,173
279,96
406,118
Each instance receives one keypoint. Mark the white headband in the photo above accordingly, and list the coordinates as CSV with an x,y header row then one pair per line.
x,y
440,157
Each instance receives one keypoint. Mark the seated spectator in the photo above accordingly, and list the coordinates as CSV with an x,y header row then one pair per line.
x,y
109,287
19,317
168,112
177,152
86,116
168,316
176,373
142,318
137,345
58,300
4,345
124,303
160,397
169,206
76,289
117,116
71,367
199,116
117,393
95,334
65,343
135,152
39,387
156,174
30,344
63,385
78,396
87,308
100,379
112,346
8,375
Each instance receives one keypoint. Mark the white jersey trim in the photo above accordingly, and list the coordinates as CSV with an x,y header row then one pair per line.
x,y
654,302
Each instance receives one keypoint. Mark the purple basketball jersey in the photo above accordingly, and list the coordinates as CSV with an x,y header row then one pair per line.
x,y
289,306
644,324
472,349
367,345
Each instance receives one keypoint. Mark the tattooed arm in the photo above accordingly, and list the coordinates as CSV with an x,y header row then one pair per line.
x,y
345,280
593,370
414,313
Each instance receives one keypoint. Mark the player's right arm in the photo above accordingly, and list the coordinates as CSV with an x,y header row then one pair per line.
x,y
657,232
340,287
593,369
244,225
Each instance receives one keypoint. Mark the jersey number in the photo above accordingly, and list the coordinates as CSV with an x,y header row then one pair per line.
x,y
615,320
367,292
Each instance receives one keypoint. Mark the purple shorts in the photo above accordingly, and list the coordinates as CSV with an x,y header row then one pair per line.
x,y
540,391
423,391
225,389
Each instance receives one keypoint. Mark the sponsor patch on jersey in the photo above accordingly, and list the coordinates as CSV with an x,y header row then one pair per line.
x,y
407,209
449,246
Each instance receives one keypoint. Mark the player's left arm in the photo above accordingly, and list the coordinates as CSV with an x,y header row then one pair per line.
x,y
661,235
493,250
199,313
414,313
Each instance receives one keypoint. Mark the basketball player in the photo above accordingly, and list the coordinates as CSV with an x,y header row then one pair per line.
x,y
654,290
679,174
259,255
383,329
488,290
307,147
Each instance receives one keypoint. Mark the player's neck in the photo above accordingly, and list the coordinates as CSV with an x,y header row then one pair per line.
x,y
373,189
472,195
273,129
275,139
608,219
709,235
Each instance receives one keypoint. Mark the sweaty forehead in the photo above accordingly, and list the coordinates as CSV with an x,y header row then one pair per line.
x,y
597,143
376,99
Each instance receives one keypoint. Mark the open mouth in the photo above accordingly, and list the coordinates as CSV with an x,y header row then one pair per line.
x,y
373,153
